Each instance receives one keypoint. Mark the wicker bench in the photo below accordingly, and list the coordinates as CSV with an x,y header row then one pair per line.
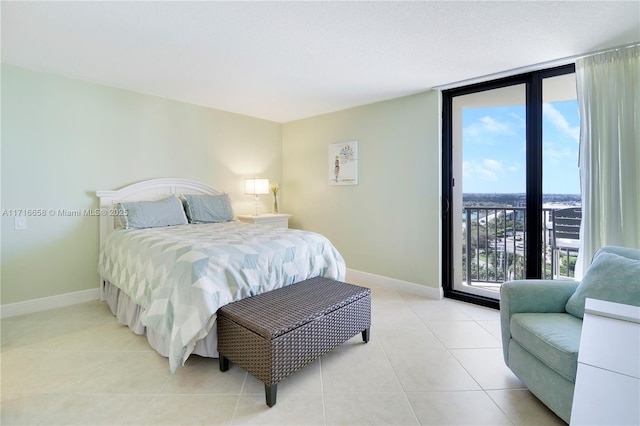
x,y
273,334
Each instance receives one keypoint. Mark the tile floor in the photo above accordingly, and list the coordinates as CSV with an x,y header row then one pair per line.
x,y
428,362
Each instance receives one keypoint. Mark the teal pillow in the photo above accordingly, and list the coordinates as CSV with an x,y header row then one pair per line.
x,y
610,277
152,214
208,208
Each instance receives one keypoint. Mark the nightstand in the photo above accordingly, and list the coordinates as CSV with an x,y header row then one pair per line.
x,y
278,219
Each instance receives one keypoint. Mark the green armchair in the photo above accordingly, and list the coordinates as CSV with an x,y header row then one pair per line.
x,y
541,323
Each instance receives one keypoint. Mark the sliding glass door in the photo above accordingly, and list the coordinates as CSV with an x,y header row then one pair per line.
x,y
494,142
489,188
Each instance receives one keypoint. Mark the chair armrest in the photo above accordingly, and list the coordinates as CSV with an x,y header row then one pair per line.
x,y
536,295
531,296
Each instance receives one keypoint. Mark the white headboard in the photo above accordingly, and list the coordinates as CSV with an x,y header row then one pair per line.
x,y
152,189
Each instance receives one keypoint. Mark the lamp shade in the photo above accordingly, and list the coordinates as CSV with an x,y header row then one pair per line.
x,y
256,186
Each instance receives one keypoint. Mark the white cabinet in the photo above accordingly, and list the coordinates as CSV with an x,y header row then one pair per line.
x,y
607,390
278,219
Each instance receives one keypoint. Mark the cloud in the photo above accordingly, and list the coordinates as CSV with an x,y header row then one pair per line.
x,y
520,120
494,126
489,170
560,122
487,127
494,165
557,156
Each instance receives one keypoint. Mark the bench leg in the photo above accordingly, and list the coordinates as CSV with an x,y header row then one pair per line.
x,y
270,393
224,363
366,333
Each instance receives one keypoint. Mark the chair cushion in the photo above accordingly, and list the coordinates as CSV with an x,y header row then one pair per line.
x,y
553,338
610,277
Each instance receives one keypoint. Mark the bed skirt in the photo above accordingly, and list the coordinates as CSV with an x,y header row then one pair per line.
x,y
129,313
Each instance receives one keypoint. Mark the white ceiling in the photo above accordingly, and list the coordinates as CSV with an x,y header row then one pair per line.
x,y
283,61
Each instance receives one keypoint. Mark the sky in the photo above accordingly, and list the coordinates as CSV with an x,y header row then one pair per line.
x,y
493,159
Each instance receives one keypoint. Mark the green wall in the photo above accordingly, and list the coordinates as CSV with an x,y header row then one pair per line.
x,y
388,224
63,139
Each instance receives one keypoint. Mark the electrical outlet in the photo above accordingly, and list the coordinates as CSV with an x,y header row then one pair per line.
x,y
21,223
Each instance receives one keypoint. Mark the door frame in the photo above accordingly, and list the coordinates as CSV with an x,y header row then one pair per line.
x,y
533,250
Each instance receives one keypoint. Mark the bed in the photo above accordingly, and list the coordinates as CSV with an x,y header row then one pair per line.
x,y
171,254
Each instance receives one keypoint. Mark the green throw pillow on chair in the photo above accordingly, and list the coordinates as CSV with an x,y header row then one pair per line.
x,y
610,277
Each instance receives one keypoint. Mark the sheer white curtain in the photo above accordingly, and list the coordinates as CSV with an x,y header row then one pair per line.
x,y
609,101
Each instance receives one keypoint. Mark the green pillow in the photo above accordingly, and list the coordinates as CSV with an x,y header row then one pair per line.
x,y
208,208
610,277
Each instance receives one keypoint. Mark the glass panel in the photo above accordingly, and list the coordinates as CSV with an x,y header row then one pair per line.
x,y
560,176
489,157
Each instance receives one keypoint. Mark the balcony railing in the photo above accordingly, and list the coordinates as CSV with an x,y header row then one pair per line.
x,y
494,244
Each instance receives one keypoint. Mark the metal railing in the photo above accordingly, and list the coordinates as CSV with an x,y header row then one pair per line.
x,y
494,246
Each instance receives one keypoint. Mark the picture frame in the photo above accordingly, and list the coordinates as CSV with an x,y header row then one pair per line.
x,y
343,163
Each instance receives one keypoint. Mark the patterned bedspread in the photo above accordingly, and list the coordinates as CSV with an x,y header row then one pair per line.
x,y
182,274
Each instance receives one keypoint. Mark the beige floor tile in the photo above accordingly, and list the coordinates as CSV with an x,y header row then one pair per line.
x,y
137,343
493,327
49,372
41,316
47,335
100,410
203,376
72,409
369,409
524,409
12,332
190,410
381,295
104,337
437,310
289,410
130,373
410,297
487,367
29,409
95,311
407,338
478,313
358,371
394,315
432,370
456,408
463,334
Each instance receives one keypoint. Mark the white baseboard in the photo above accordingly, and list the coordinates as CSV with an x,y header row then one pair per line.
x,y
46,303
406,286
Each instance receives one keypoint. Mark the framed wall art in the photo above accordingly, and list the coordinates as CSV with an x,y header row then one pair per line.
x,y
343,163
